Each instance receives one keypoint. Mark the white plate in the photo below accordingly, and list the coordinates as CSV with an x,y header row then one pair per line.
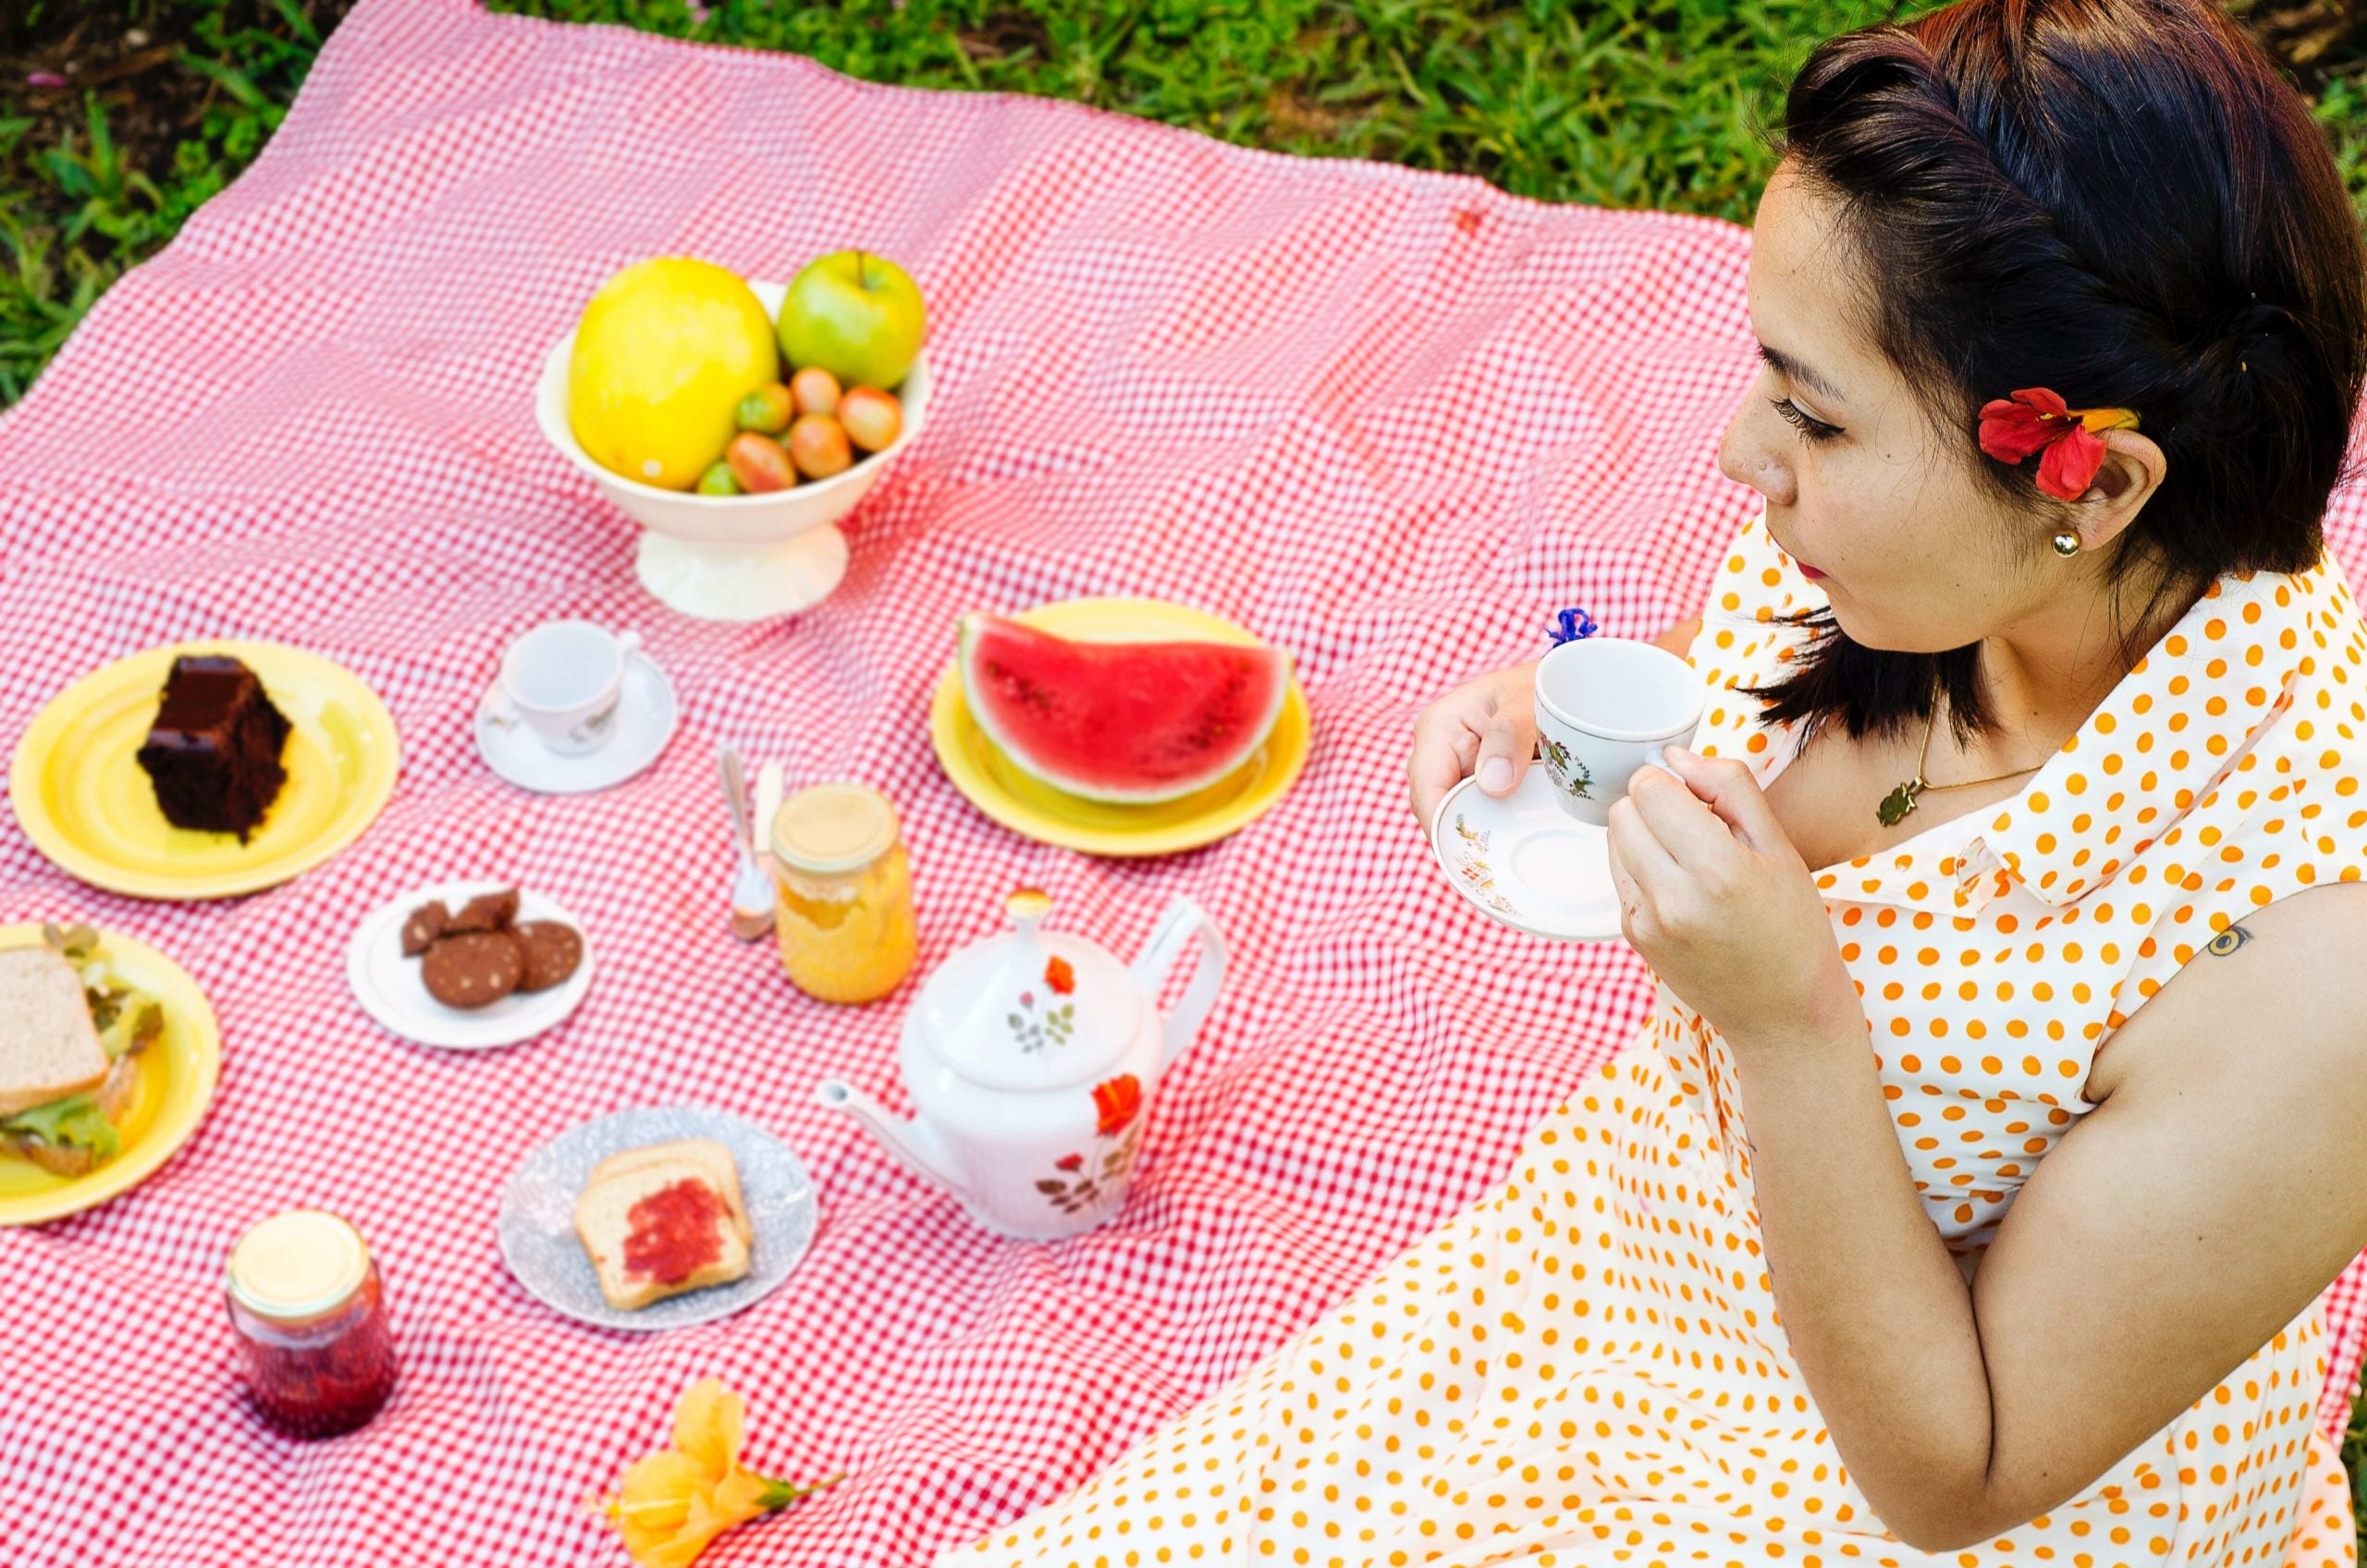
x,y
537,1225
393,990
1523,861
645,718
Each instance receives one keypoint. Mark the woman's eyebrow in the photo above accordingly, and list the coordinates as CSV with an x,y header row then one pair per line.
x,y
1794,370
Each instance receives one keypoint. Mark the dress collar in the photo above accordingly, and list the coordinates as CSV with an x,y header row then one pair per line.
x,y
2175,727
2182,721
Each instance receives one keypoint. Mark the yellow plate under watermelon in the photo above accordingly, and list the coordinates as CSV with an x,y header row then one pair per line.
x,y
86,803
176,1085
996,786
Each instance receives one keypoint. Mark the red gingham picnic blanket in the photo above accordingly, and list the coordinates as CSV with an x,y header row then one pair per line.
x,y
1388,419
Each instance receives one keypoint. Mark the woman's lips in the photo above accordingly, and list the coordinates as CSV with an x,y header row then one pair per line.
x,y
1808,571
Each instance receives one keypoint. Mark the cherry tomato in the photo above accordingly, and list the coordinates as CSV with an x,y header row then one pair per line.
x,y
718,481
817,444
758,463
873,418
767,410
815,390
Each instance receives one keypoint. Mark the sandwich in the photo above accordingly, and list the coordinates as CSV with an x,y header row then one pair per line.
x,y
69,1042
662,1219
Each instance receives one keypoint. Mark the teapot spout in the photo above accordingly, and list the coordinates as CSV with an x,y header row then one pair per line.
x,y
911,1141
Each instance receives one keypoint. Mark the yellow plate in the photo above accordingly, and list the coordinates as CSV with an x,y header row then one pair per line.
x,y
176,1083
87,804
981,771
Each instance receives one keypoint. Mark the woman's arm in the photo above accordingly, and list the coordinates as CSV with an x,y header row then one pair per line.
x,y
2161,1242
1678,639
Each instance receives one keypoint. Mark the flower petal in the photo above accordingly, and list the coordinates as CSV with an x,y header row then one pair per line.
x,y
738,1498
2010,431
655,1501
2043,398
708,1428
2070,465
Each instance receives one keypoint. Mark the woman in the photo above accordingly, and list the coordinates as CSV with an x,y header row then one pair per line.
x,y
1967,1198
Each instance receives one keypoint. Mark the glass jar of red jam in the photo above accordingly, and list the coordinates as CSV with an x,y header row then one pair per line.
x,y
311,1318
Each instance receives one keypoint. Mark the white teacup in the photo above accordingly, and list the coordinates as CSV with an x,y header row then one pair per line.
x,y
562,680
1605,706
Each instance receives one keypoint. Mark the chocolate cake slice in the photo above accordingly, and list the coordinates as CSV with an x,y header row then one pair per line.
x,y
214,751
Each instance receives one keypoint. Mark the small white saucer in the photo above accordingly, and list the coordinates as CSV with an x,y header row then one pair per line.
x,y
1525,861
647,715
392,989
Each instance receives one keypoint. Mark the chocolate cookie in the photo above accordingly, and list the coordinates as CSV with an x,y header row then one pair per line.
x,y
475,969
487,911
552,949
427,924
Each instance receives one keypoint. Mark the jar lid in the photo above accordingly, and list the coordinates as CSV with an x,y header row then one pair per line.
x,y
830,828
297,1266
1029,1008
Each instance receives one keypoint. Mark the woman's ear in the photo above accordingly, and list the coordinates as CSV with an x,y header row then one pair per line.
x,y
2132,470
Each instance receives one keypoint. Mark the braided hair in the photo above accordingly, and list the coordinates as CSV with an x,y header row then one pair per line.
x,y
2121,200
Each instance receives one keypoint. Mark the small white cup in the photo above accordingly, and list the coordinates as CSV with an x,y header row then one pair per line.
x,y
562,680
1605,706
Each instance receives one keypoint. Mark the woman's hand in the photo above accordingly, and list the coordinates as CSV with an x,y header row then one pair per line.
x,y
1722,906
1487,725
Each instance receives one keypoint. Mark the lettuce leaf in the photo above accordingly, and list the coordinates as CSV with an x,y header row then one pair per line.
x,y
131,1027
76,1120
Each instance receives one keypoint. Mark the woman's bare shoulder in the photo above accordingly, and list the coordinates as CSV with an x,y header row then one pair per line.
x,y
2282,973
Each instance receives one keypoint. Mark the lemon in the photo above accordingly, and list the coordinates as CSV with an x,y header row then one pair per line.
x,y
664,354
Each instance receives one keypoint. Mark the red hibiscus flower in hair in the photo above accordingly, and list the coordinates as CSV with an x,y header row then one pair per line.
x,y
1060,975
2035,419
1118,1101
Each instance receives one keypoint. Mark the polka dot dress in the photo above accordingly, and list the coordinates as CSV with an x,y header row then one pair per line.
x,y
1584,1368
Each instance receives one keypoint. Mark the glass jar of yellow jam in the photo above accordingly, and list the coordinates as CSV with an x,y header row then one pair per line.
x,y
844,914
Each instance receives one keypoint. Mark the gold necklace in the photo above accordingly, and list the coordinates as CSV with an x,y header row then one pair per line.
x,y
1900,801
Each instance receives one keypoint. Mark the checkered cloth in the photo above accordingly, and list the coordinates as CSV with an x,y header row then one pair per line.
x,y
1390,419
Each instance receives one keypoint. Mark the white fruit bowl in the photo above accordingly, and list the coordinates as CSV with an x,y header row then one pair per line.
x,y
734,558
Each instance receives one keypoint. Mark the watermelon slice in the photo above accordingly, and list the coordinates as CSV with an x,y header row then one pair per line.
x,y
1127,722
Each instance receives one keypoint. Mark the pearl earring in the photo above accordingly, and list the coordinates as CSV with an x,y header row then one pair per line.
x,y
2066,544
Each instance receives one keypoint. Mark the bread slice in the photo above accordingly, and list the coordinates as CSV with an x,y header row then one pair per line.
x,y
604,1220
48,1049
706,1153
112,1098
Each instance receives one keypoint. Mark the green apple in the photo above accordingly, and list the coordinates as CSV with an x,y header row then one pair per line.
x,y
856,315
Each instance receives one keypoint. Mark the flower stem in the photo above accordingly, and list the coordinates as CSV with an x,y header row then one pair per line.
x,y
780,1494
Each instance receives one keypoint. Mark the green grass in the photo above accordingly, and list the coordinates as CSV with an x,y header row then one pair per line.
x,y
77,205
1619,103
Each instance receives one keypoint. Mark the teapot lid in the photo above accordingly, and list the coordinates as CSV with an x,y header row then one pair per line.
x,y
1029,1008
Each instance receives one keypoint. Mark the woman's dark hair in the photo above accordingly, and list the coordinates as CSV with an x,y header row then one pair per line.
x,y
2121,200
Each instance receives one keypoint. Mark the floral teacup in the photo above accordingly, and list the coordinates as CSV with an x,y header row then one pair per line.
x,y
1605,706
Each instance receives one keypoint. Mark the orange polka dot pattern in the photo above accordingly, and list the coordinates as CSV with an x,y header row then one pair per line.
x,y
1585,1366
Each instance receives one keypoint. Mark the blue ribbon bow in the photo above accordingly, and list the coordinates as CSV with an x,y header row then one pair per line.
x,y
1570,625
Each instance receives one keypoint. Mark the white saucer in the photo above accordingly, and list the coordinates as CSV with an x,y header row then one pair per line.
x,y
537,1223
392,989
645,718
1523,861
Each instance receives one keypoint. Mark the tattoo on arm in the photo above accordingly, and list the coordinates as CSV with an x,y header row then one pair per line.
x,y
2227,941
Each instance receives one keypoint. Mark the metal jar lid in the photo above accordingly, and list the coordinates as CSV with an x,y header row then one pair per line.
x,y
830,829
298,1267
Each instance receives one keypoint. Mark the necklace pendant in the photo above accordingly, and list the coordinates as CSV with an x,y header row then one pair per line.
x,y
1899,803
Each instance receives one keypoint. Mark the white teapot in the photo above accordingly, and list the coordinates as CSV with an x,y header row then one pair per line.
x,y
1031,1059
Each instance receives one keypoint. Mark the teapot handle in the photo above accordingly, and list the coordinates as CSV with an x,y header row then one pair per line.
x,y
1183,921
